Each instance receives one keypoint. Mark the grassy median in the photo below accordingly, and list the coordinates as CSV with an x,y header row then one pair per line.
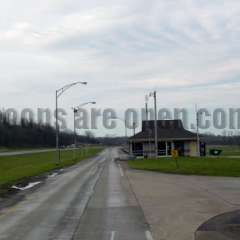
x,y
191,166
16,168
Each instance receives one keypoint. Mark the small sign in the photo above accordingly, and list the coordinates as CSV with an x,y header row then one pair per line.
x,y
175,153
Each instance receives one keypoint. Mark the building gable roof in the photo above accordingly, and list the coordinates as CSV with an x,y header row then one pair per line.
x,y
167,129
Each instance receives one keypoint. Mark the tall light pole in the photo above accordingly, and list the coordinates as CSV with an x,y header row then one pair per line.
x,y
154,95
147,123
59,92
198,137
146,106
134,128
75,111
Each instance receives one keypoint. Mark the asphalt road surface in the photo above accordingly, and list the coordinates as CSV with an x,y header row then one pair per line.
x,y
90,201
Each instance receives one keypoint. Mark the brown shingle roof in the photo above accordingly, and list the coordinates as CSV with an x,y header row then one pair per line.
x,y
167,129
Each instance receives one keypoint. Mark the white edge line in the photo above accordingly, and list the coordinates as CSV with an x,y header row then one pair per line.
x,y
121,170
148,235
30,185
113,235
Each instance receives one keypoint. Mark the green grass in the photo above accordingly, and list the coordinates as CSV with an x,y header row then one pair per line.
x,y
12,149
226,150
16,168
191,166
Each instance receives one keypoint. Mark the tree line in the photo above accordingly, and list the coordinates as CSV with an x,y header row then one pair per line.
x,y
211,139
30,134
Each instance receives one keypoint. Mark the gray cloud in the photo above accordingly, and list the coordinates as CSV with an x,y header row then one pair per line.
x,y
124,49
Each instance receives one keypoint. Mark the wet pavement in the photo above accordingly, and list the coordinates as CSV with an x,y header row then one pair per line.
x,y
113,213
91,200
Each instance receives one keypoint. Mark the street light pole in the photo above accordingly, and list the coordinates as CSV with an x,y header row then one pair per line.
x,y
146,107
75,132
155,127
75,111
198,138
125,122
134,128
57,131
154,95
147,124
59,92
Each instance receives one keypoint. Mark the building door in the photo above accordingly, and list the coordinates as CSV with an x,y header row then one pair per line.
x,y
162,149
138,149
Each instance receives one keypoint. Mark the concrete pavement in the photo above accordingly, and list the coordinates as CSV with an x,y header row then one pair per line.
x,y
24,152
176,205
113,212
91,200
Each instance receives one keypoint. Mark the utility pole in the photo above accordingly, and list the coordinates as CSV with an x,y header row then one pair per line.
x,y
147,125
198,137
134,128
75,132
155,123
57,131
146,107
125,122
154,95
75,111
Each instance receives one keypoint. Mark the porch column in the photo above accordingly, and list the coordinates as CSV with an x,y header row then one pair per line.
x,y
166,147
130,147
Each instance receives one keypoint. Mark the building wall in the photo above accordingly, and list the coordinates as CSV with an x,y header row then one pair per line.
x,y
190,148
149,149
187,148
193,148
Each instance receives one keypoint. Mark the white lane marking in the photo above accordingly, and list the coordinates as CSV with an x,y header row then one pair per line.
x,y
113,235
30,185
121,170
148,235
53,175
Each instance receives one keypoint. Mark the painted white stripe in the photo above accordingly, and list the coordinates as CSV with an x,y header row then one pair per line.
x,y
53,175
148,235
121,170
30,185
113,235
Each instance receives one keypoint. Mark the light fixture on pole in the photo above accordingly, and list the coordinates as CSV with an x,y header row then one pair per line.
x,y
59,92
75,111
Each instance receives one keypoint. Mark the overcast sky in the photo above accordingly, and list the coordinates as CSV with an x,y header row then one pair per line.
x,y
187,50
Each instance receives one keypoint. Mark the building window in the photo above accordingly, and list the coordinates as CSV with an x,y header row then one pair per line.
x,y
162,149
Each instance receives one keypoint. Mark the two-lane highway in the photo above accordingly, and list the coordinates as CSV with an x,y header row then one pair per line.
x,y
89,201
113,212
